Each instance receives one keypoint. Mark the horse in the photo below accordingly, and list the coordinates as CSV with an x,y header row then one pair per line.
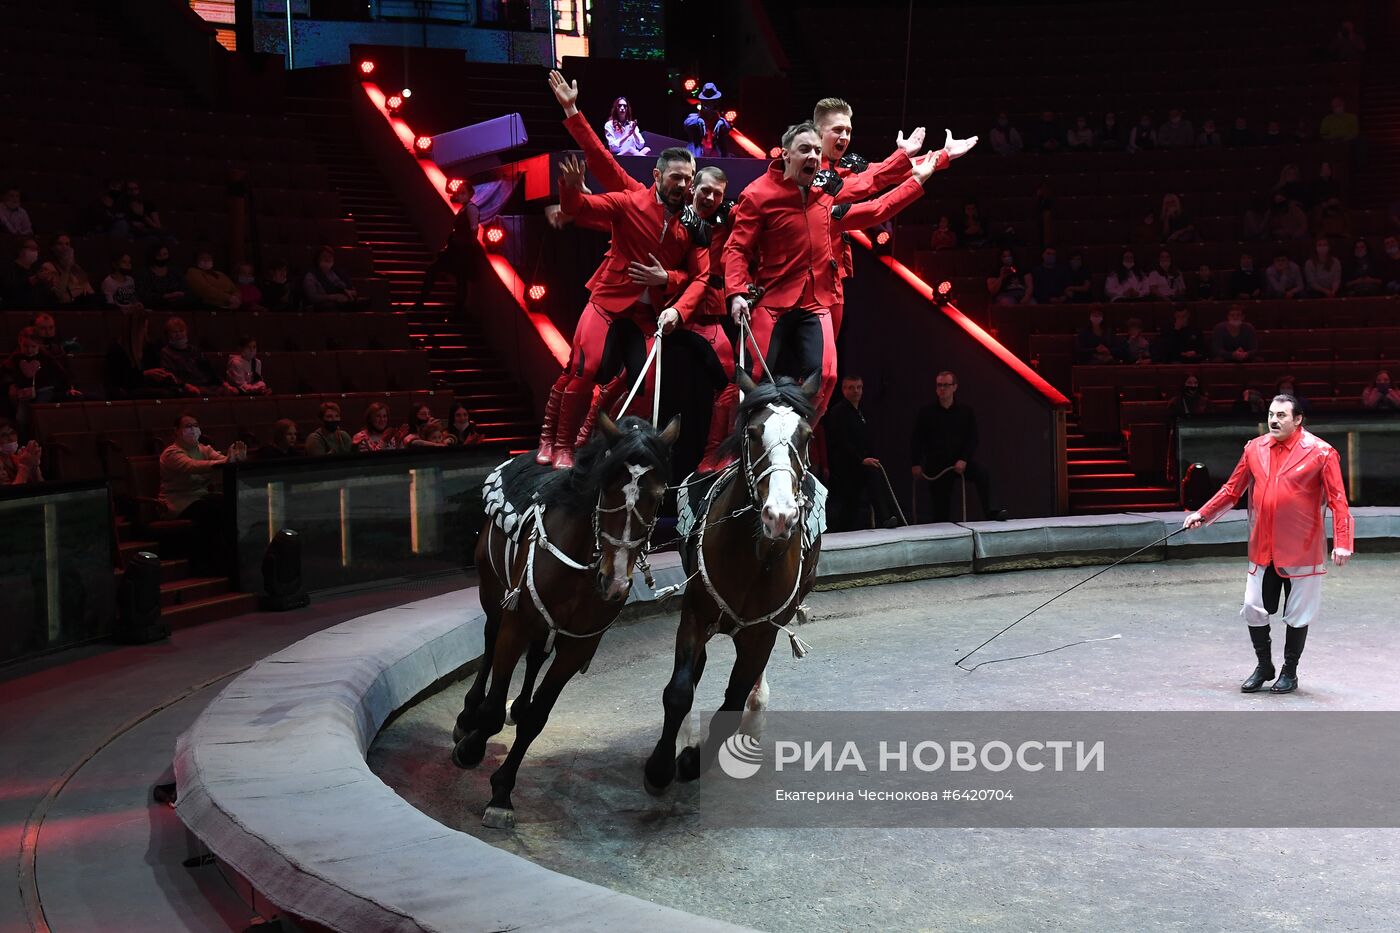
x,y
753,542
556,557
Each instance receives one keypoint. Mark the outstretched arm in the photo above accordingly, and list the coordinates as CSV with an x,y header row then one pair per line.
x,y
600,159
877,211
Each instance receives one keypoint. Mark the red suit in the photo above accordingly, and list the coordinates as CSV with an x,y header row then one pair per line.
x,y
787,237
1286,527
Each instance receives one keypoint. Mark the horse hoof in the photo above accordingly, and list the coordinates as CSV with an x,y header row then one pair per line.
x,y
688,764
458,733
468,752
656,790
498,818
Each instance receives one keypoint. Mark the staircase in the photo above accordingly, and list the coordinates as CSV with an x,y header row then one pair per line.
x,y
184,600
1101,482
460,357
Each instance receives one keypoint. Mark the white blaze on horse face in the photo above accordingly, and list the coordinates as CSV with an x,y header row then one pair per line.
x,y
780,508
617,581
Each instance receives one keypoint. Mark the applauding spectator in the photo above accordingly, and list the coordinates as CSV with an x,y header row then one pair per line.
x,y
376,435
13,217
1125,283
326,289
210,287
245,369
188,474
461,427
1380,394
621,131
18,465
411,431
329,438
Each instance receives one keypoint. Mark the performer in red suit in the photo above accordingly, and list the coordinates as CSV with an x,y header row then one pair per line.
x,y
783,228
624,308
1291,475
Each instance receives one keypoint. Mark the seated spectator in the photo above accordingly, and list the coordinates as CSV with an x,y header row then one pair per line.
x,y
210,287
435,434
1388,268
326,289
706,132
192,370
1080,137
1347,45
1110,133
1246,281
943,235
1143,136
1255,224
1008,285
1331,219
32,376
410,432
1283,278
1081,284
1165,283
106,216
45,292
1004,138
189,472
1047,135
1177,226
249,295
1240,134
1204,287
1209,137
1288,385
1286,219
72,286
1322,273
1339,126
19,466
21,276
1251,403
1290,184
1361,276
1273,134
143,224
623,135
1095,342
1050,281
1190,401
1380,395
14,219
47,330
1125,283
1182,341
119,288
245,369
1177,132
972,233
276,292
1234,340
329,438
1136,348
133,365
283,444
376,435
159,286
460,426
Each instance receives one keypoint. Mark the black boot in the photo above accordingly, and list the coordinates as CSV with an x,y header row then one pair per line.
x,y
1292,650
1259,634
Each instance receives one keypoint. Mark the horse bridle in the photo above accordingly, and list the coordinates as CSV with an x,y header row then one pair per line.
x,y
751,480
631,495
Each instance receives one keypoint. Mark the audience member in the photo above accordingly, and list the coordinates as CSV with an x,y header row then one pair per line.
x,y
1388,268
1080,137
1347,45
410,432
1050,281
460,425
211,288
188,472
1136,347
326,289
1177,226
329,438
119,287
1246,281
1177,132
1047,135
276,291
72,285
1322,273
1234,340
46,328
1339,126
706,132
1190,401
1081,284
435,434
159,286
942,446
19,466
1165,283
1331,219
1380,395
1203,289
106,216
1096,342
1286,219
249,295
1240,134
1209,137
1008,286
14,219
133,365
854,471
376,435
972,233
22,275
245,369
1290,184
1283,278
1273,134
1182,342
943,235
1288,385
1252,404
44,293
1125,283
1361,276
192,370
1143,136
622,133
1004,138
283,442
32,376
142,222
1110,132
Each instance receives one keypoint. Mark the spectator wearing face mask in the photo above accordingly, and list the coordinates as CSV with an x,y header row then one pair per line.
x,y
189,367
18,465
1125,283
31,375
1190,401
1204,287
1322,273
1181,341
329,438
1380,395
1096,342
1050,281
72,285
1209,137
22,275
1361,274
189,474
245,369
1136,347
275,291
160,287
1081,284
326,289
1246,281
1166,283
249,295
14,218
283,444
119,287
210,287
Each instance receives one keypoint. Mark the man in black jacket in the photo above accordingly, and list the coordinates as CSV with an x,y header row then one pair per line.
x,y
855,472
944,440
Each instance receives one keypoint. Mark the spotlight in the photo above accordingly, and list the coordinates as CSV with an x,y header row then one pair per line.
x,y
536,292
454,185
943,294
495,234
281,570
407,93
730,116
394,103
367,68
882,238
690,84
423,145
775,152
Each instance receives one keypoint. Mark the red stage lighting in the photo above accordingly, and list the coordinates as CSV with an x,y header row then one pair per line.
x,y
495,234
393,103
690,84
882,238
454,185
367,68
423,145
536,292
731,116
945,288
775,152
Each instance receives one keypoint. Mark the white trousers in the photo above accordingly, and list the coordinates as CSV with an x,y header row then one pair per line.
x,y
1301,597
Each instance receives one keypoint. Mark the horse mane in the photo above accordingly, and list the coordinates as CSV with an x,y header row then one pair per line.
x,y
786,391
597,464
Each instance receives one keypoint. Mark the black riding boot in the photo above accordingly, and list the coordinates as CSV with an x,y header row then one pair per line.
x,y
1259,634
1292,650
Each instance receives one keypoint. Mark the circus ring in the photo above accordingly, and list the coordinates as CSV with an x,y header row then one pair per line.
x,y
274,777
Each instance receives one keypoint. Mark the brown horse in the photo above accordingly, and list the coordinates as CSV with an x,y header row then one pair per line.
x,y
556,560
750,557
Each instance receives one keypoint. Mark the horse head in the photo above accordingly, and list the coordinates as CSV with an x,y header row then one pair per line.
x,y
773,437
633,464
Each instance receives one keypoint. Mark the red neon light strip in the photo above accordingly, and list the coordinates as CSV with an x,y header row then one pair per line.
x,y
554,340
746,144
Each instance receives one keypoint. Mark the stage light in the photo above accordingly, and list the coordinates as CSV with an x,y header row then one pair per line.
x,y
943,293
138,601
882,238
690,84
730,116
495,235
454,185
775,152
367,68
281,570
393,103
536,292
407,93
423,145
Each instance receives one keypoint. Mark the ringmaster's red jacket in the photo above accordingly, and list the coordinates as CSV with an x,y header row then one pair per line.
x,y
790,240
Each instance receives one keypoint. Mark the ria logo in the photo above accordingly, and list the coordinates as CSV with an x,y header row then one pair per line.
x,y
740,756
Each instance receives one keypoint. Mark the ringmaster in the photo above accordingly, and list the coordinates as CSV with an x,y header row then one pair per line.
x,y
1291,475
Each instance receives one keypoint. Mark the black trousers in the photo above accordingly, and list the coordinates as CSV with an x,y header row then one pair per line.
x,y
209,543
946,488
847,504
796,347
455,263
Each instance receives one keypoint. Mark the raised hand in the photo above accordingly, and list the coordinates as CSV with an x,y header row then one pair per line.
x,y
565,92
956,148
913,143
571,171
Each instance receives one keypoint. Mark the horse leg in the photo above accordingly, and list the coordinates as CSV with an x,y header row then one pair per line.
x,y
491,715
534,660
753,646
754,706
570,655
477,692
677,698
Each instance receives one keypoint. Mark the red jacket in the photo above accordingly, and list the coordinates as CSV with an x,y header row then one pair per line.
x,y
640,225
1286,526
858,187
789,241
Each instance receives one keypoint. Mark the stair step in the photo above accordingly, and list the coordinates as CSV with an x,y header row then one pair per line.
x,y
1112,494
224,606
192,590
1084,482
